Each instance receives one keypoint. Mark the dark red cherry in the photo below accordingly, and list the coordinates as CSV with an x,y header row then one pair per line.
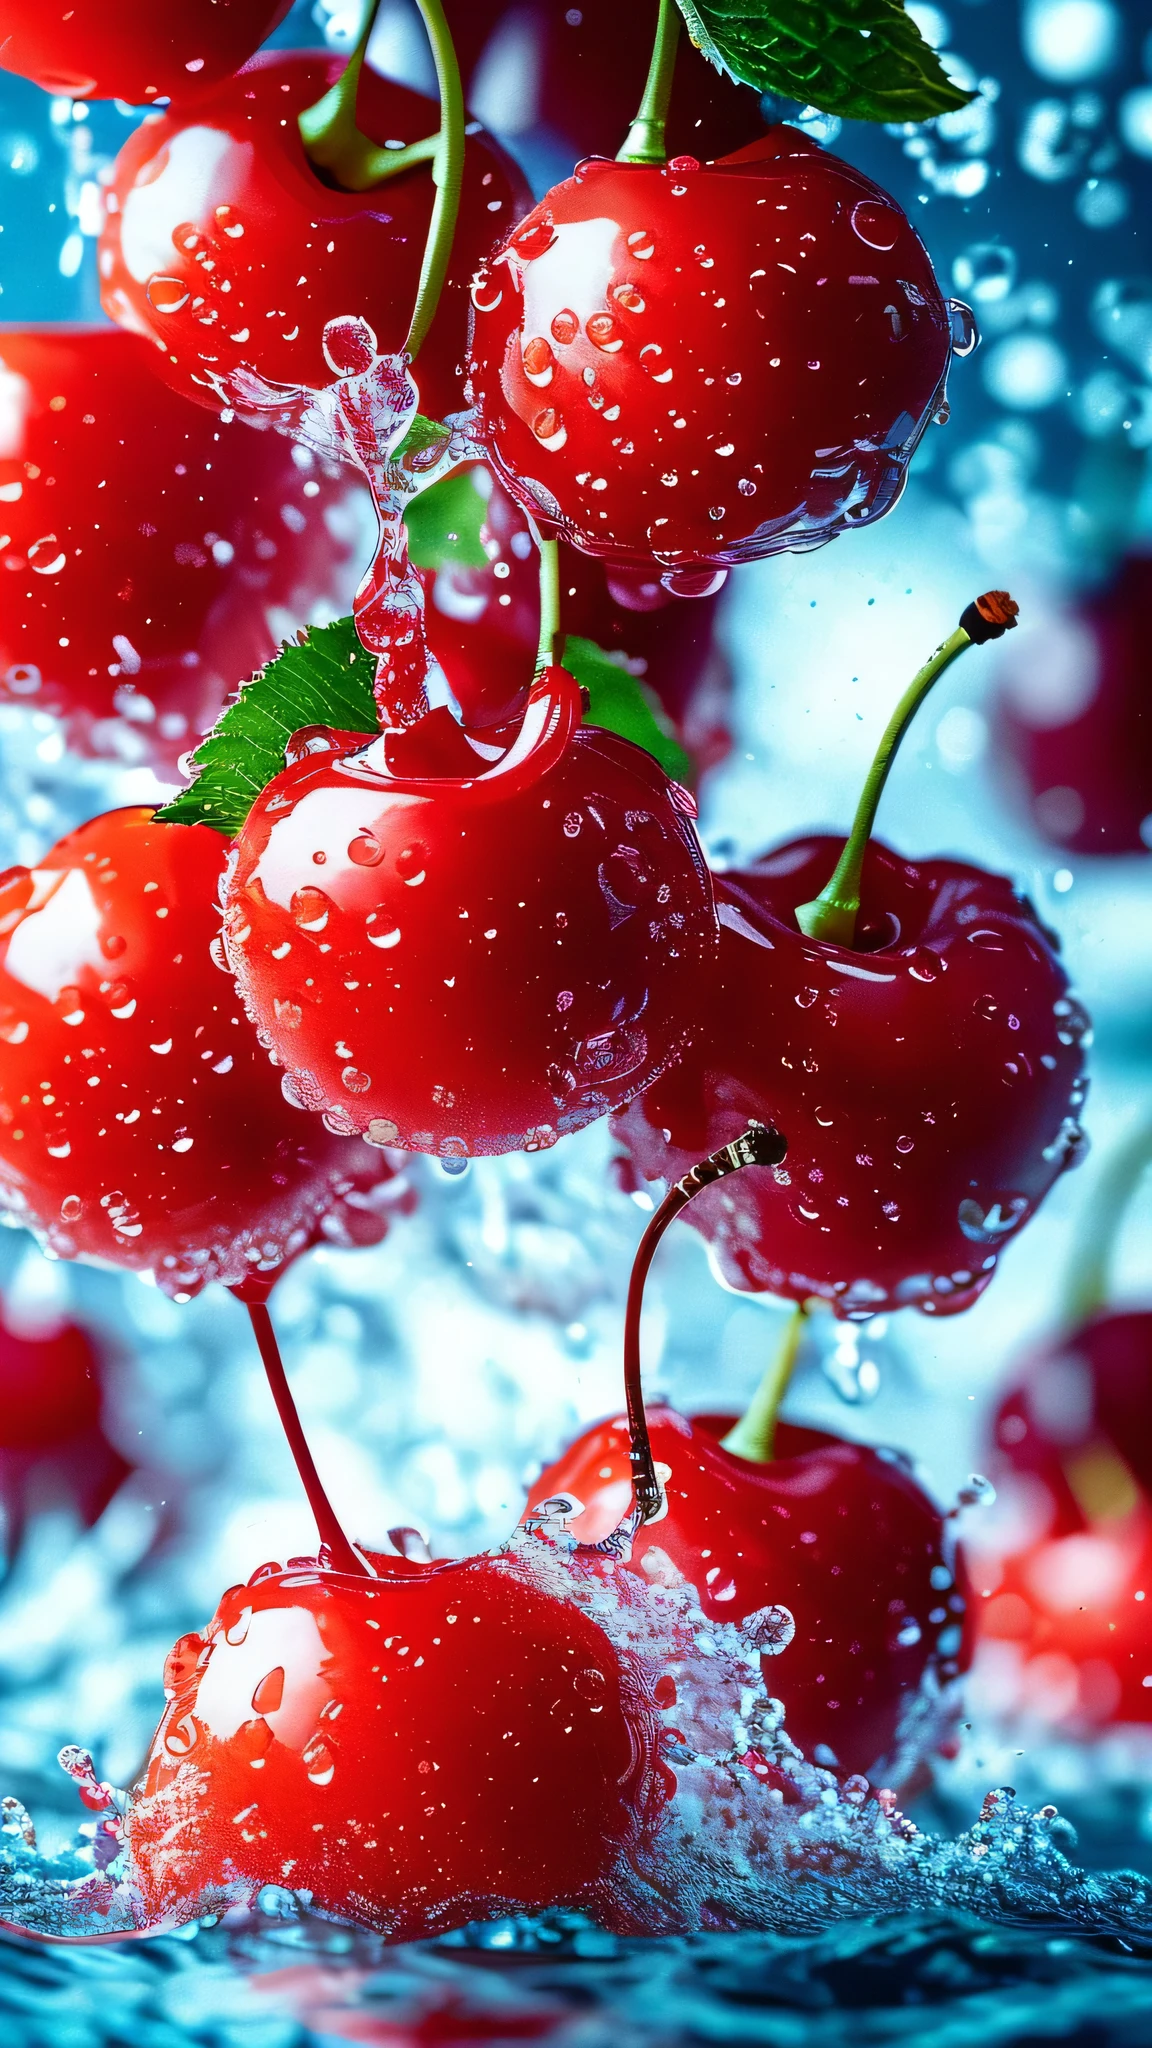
x,y
836,1545
54,1455
437,1744
1074,715
460,945
929,1080
132,50
483,627
151,558
140,1121
1063,1573
703,364
225,247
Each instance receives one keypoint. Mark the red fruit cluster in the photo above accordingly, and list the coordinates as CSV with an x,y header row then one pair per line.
x,y
229,251
851,1628
134,50
140,1122
463,948
928,1079
706,363
150,558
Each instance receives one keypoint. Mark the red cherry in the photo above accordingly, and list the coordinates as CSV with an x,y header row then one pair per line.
x,y
139,1120
436,1744
1074,715
1065,1574
53,1451
133,51
928,1079
862,1620
151,558
483,627
463,950
705,364
225,247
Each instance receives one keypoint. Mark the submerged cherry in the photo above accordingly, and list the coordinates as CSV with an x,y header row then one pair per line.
x,y
133,50
462,946
140,1122
152,558
228,249
703,364
55,1457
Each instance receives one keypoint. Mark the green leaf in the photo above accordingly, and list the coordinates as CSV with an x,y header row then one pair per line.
x,y
324,680
444,523
863,59
621,703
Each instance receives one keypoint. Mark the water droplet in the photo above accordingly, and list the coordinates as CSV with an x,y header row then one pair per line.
x,y
269,1693
878,226
58,1146
539,361
46,556
925,965
229,222
541,1139
769,1629
986,1006
319,1762
1069,1147
572,824
167,294
180,1740
365,851
219,956
626,295
905,1144
453,1155
535,237
806,997
381,1131
355,1080
652,360
71,1208
310,739
641,244
991,1220
549,428
565,999
311,908
381,931
412,864
237,1630
965,332
603,333
565,326
182,1142
1073,1024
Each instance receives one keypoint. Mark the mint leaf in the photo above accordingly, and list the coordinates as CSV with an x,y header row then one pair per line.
x,y
444,523
863,59
324,680
621,703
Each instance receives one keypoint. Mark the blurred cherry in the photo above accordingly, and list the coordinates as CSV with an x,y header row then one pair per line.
x,y
133,50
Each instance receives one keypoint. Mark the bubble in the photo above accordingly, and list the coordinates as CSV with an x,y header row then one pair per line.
x,y
1102,202
1136,120
989,1220
1070,40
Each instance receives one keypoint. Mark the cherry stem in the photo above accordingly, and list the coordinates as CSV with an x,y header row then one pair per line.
x,y
754,1436
645,139
335,144
1086,1292
332,1538
549,602
447,173
831,916
759,1145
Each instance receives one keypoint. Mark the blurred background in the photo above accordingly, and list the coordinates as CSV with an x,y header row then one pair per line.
x,y
437,1372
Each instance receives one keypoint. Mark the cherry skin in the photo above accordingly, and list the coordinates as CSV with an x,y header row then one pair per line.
x,y
152,557
928,1080
1063,1596
706,364
460,949
227,250
140,1122
837,1534
483,627
1073,714
418,1749
134,50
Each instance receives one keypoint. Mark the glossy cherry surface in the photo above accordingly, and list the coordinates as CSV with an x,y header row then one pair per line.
x,y
1074,714
1065,1571
708,363
150,558
483,627
227,250
132,50
837,1533
928,1081
437,1744
140,1122
461,948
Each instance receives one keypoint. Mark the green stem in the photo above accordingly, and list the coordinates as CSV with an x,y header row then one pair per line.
x,y
447,171
645,141
1086,1291
831,916
754,1436
335,144
549,603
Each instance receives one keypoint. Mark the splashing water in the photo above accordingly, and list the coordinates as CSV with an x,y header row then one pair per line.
x,y
368,418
